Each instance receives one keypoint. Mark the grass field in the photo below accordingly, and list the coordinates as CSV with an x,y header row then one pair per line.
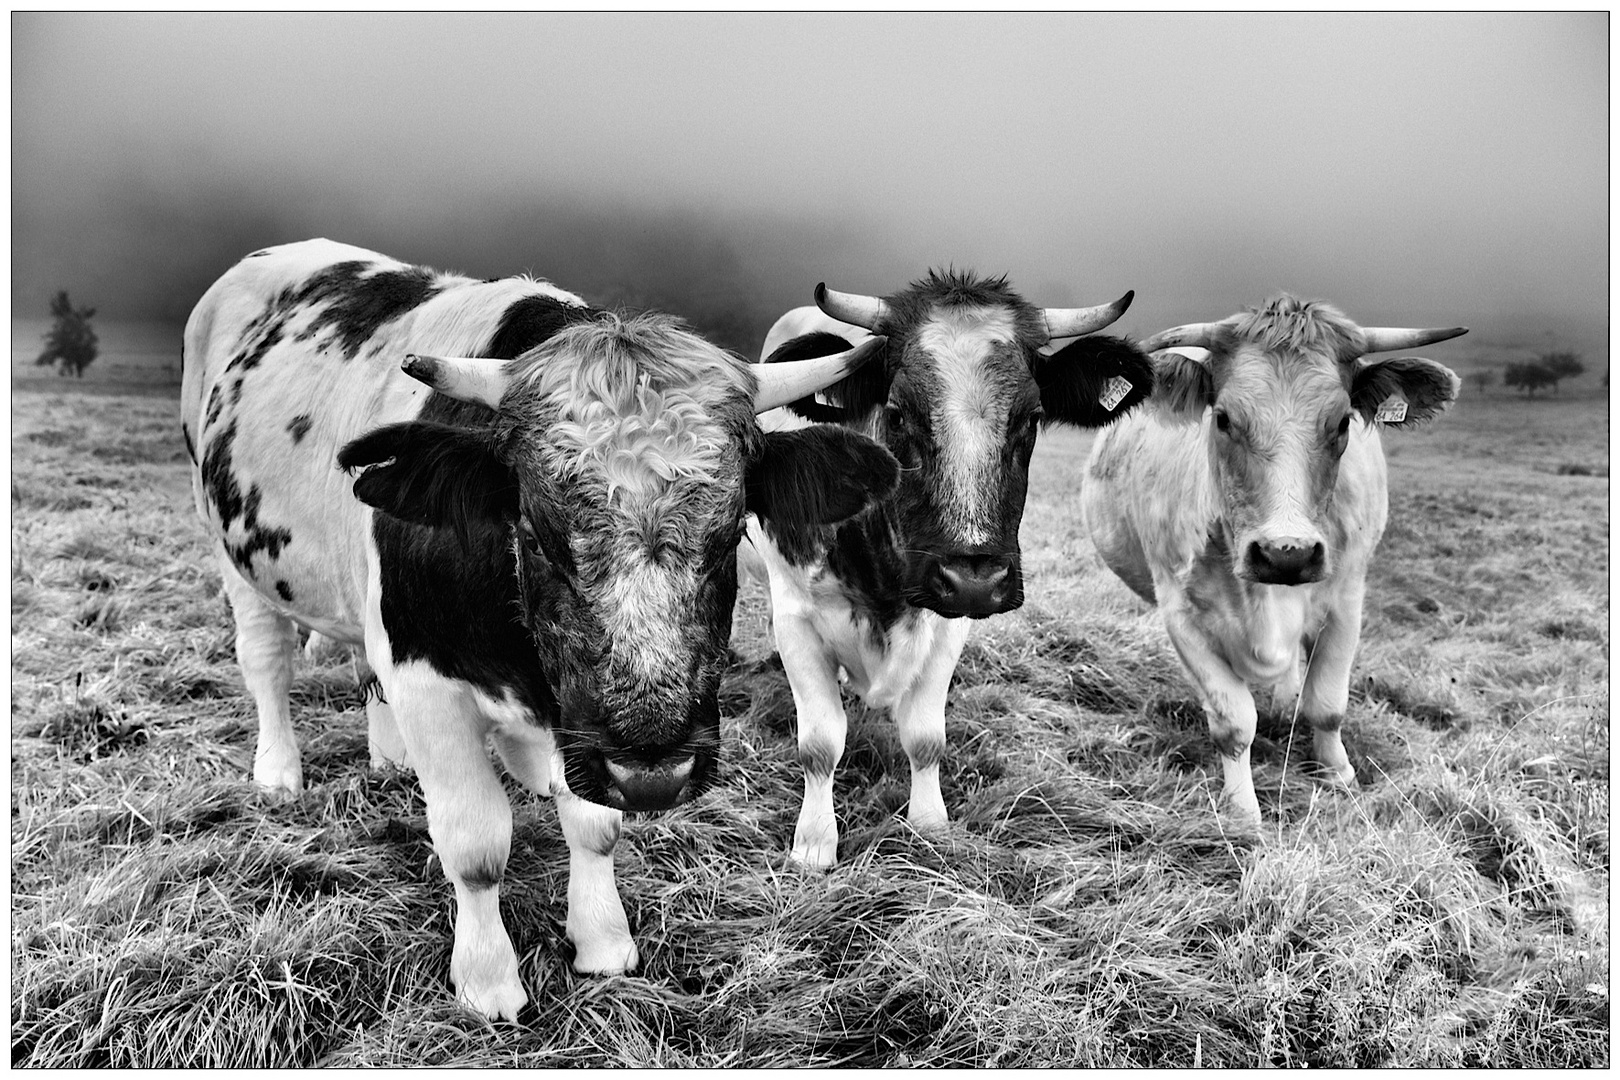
x,y
1085,907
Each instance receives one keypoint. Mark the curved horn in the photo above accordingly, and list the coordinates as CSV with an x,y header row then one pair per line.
x,y
791,380
1073,322
1391,338
853,308
465,378
1198,334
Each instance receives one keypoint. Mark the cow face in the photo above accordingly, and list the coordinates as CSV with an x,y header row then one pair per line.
x,y
620,465
1278,397
958,401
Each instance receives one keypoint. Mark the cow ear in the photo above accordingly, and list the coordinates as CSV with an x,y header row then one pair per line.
x,y
1182,384
433,474
818,476
856,394
1414,389
1093,381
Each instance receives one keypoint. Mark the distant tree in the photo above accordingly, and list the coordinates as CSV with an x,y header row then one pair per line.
x,y
1529,377
1561,365
71,339
1481,378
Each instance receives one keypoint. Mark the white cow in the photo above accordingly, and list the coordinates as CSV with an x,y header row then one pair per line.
x,y
1246,499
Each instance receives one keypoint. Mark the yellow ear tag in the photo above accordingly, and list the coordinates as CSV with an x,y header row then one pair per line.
x,y
1114,391
1392,411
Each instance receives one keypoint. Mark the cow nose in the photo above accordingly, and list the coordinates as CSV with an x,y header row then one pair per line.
x,y
1288,561
656,786
974,584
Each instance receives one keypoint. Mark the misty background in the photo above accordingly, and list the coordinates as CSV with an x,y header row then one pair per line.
x,y
1415,169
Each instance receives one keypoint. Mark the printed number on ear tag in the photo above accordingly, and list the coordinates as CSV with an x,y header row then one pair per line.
x,y
1114,391
1392,411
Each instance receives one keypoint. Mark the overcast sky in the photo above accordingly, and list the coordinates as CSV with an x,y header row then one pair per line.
x,y
1427,168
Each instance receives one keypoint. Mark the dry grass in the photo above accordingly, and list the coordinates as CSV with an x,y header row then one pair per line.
x,y
1085,907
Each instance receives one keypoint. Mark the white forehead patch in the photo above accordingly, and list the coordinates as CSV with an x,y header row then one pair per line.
x,y
969,422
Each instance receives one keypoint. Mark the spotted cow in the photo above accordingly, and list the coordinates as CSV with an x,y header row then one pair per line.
x,y
1246,500
882,601
530,539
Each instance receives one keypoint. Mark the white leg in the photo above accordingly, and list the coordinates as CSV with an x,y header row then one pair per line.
x,y
266,641
1228,708
920,717
1327,687
596,923
813,676
529,753
470,821
383,739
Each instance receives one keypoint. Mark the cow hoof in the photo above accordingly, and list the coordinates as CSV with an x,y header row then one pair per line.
x,y
1242,816
279,780
819,855
931,821
1343,778
609,956
500,1001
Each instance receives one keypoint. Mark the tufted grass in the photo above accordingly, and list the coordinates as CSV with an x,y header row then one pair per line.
x,y
1086,906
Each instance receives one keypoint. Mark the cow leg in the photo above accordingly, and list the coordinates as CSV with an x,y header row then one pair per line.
x,y
813,676
470,822
386,744
266,642
920,717
596,923
383,740
1327,687
1228,708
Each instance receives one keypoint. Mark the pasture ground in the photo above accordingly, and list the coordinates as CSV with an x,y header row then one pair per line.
x,y
1085,908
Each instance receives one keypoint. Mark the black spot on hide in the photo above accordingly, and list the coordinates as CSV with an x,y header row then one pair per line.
x,y
354,304
299,426
284,591
224,491
529,322
216,405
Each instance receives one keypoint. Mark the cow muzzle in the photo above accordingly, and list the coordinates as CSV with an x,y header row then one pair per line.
x,y
973,585
1285,561
638,785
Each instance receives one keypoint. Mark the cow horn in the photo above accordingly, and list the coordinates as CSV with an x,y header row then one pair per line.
x,y
1391,338
1198,335
1073,322
465,378
853,308
791,380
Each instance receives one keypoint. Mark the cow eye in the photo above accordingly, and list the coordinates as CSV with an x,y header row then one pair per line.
x,y
1223,422
1344,425
531,542
1034,422
894,418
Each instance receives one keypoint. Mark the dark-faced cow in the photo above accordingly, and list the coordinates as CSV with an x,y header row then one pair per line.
x,y
539,549
883,600
1246,499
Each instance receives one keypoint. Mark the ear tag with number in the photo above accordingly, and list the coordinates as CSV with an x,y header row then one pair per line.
x,y
1392,411
1114,391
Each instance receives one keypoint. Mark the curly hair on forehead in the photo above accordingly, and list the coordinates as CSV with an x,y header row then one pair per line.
x,y
632,403
1287,323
